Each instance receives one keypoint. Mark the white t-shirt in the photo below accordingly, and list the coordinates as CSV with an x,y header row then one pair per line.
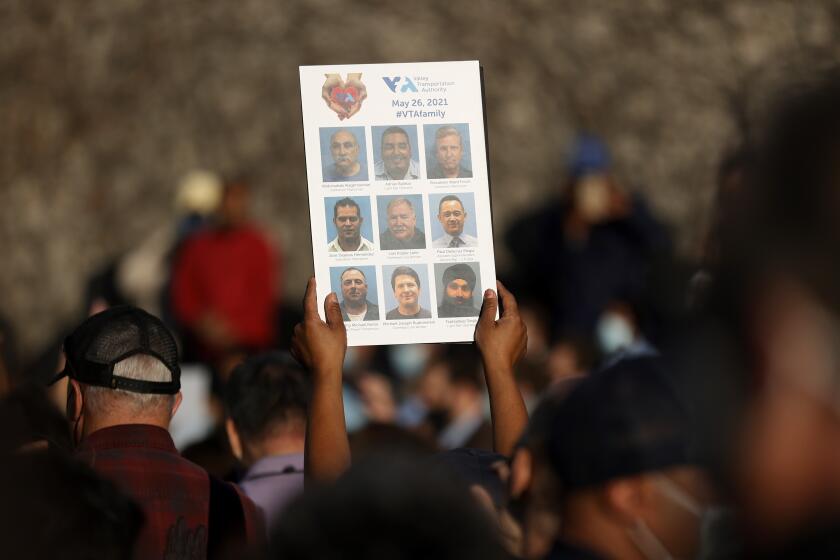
x,y
357,316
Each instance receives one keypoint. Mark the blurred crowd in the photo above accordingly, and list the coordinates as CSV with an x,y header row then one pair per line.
x,y
627,402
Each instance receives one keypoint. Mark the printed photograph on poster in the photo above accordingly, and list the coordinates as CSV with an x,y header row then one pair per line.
x,y
408,297
343,154
459,289
401,222
349,224
395,150
447,151
454,224
355,287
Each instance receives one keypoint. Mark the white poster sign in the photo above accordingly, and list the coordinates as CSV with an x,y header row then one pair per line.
x,y
399,197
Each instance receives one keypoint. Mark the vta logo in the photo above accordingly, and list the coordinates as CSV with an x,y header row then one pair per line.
x,y
392,83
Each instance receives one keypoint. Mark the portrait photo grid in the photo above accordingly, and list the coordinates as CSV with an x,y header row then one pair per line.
x,y
399,198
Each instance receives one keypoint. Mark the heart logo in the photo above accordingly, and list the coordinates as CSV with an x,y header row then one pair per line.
x,y
345,96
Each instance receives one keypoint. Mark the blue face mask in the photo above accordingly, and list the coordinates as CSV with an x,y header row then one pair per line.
x,y
408,360
614,333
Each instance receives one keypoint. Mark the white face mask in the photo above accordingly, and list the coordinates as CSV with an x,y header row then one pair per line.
x,y
649,544
614,333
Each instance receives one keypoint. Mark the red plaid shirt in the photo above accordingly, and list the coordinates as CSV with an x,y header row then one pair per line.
x,y
173,492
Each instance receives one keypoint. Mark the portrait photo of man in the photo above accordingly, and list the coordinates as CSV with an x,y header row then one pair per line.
x,y
355,304
397,161
348,223
405,282
453,217
402,229
344,149
448,151
459,285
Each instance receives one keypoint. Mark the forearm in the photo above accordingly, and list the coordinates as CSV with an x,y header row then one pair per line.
x,y
507,408
327,450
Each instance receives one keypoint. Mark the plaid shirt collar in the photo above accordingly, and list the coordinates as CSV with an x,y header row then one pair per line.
x,y
129,435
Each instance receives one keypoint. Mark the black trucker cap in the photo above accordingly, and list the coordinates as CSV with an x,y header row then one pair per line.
x,y
107,338
624,420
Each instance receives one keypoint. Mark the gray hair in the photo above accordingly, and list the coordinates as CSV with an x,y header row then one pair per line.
x,y
104,400
396,201
447,130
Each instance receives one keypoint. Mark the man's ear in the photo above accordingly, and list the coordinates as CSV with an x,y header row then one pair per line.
x,y
74,400
233,438
179,397
623,499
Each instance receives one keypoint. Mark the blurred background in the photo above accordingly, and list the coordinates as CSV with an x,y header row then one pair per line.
x,y
106,107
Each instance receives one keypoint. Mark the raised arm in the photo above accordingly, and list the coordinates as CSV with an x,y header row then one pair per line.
x,y
502,343
320,346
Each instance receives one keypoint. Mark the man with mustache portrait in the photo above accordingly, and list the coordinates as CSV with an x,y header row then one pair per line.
x,y
402,232
458,287
345,149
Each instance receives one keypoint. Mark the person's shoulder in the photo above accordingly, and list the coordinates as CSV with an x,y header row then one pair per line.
x,y
252,232
197,241
441,242
393,314
387,241
424,314
329,173
367,245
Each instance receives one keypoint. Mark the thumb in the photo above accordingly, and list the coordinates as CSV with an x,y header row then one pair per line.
x,y
332,311
488,307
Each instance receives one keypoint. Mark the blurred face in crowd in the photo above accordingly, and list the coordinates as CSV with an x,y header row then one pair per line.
x,y
448,152
672,506
792,423
655,514
396,154
592,197
235,202
459,292
407,293
402,221
345,152
354,288
348,223
452,217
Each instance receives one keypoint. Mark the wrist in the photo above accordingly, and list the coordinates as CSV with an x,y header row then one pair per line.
x,y
497,367
322,373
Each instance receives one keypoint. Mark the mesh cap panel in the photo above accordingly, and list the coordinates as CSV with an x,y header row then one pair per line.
x,y
107,338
